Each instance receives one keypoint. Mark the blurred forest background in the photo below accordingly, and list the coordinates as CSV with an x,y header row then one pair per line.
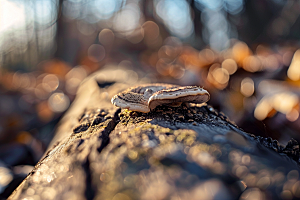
x,y
244,52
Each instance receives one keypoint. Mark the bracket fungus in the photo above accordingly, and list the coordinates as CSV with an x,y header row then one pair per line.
x,y
144,98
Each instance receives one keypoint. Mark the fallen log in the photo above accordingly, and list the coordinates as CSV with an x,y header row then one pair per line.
x,y
185,152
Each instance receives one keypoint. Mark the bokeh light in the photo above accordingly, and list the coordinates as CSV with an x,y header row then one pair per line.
x,y
58,102
230,65
96,52
106,37
294,69
127,20
176,17
104,9
247,87
50,82
284,102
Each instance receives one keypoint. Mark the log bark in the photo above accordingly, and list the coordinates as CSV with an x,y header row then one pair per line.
x,y
194,152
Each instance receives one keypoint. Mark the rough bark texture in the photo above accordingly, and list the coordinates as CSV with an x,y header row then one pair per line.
x,y
102,152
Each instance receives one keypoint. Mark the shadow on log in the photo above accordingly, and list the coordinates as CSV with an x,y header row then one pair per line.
x,y
195,152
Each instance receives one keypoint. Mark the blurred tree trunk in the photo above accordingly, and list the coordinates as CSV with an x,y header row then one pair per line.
x,y
59,40
101,152
67,40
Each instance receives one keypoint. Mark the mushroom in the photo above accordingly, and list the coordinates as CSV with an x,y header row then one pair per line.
x,y
145,98
131,101
178,95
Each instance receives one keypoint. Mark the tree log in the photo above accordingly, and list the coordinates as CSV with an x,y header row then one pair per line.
x,y
186,152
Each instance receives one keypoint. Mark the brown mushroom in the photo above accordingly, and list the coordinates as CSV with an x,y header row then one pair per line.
x,y
144,98
178,95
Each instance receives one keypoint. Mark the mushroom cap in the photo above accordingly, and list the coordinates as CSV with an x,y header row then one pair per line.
x,y
136,98
189,94
144,98
131,101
